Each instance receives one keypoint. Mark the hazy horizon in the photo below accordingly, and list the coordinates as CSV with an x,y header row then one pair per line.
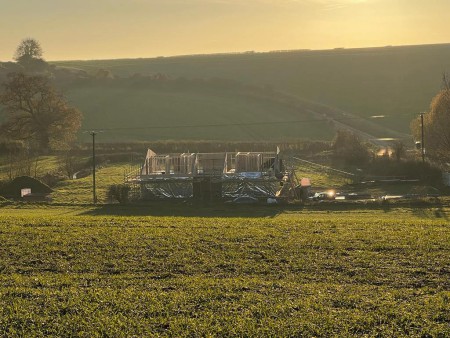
x,y
249,51
116,29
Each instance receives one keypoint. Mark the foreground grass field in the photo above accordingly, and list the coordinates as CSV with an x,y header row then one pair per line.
x,y
238,272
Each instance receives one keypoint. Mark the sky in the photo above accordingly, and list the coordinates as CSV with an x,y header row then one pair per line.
x,y
111,29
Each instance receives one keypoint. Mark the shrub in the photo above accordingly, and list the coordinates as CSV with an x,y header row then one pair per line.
x,y
119,193
348,148
407,169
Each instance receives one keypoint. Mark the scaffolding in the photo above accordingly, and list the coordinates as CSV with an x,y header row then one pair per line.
x,y
211,176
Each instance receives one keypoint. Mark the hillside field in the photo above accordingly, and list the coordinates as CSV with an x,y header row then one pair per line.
x,y
396,82
101,272
130,113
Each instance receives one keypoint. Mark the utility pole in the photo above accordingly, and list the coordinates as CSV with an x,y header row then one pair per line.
x,y
93,133
422,143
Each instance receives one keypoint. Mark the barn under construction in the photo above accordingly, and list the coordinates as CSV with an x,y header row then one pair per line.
x,y
213,176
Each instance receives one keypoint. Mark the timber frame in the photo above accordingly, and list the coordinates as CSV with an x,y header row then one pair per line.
x,y
212,176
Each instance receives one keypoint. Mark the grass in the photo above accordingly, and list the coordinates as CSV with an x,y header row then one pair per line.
x,y
88,273
35,166
147,114
322,178
77,191
80,191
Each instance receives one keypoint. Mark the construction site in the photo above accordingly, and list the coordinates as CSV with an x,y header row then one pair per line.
x,y
225,176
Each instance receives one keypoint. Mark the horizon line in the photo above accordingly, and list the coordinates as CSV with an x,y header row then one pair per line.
x,y
250,52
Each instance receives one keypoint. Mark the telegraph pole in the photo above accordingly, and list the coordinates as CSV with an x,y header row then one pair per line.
x,y
422,143
93,133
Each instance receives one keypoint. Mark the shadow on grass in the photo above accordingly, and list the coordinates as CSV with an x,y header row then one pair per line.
x,y
186,210
437,212
430,208
190,209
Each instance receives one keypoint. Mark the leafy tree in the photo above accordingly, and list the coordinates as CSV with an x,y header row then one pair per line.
x,y
28,49
29,55
436,126
348,148
37,113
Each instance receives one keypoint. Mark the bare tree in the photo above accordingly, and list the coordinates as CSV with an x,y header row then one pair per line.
x,y
399,150
70,163
37,113
19,163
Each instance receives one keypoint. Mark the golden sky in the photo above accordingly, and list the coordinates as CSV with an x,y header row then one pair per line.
x,y
104,29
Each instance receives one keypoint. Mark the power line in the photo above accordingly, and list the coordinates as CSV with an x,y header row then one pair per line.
x,y
229,124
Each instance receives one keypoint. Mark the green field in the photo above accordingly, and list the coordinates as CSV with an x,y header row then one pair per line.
x,y
397,82
234,272
149,114
80,190
74,191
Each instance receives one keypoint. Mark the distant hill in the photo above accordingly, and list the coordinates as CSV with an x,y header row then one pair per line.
x,y
255,96
398,82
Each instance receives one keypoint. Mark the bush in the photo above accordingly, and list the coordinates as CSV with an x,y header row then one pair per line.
x,y
407,169
348,148
119,193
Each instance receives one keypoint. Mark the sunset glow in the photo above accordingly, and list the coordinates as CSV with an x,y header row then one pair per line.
x,y
85,29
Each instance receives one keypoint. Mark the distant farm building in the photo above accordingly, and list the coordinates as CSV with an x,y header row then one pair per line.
x,y
213,176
